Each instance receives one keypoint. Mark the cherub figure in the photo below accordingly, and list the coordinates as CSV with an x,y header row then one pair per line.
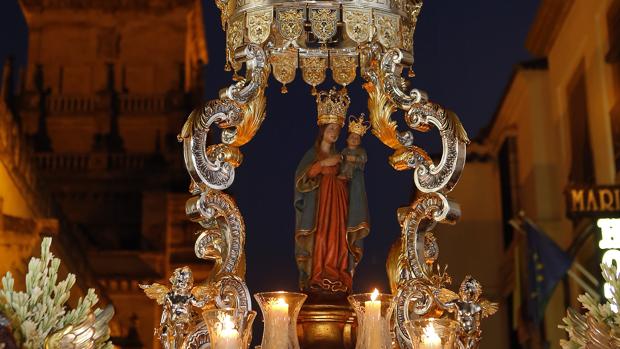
x,y
354,156
469,310
177,302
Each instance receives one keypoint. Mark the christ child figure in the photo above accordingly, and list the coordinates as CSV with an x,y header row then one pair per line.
x,y
354,156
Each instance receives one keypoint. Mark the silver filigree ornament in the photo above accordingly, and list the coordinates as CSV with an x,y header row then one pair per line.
x,y
324,22
421,289
421,115
290,23
259,25
211,168
358,23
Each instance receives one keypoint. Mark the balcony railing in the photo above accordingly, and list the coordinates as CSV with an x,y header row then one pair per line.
x,y
79,162
72,104
86,104
142,103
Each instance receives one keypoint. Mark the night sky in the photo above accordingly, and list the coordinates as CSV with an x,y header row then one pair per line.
x,y
464,52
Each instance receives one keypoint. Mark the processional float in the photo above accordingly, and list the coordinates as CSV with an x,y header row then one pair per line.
x,y
278,37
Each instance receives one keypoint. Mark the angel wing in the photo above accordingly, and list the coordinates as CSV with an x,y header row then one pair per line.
x,y
201,292
89,334
488,308
156,291
446,296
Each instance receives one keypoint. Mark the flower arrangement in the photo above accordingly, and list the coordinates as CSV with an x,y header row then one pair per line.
x,y
599,327
39,313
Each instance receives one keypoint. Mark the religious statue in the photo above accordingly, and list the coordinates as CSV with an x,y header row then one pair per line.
x,y
330,202
178,313
353,156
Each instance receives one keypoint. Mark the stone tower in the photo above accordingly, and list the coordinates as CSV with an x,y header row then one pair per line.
x,y
107,87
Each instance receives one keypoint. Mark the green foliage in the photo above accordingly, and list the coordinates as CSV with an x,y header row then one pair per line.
x,y
40,310
605,314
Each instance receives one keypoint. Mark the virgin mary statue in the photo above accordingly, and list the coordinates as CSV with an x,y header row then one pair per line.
x,y
331,209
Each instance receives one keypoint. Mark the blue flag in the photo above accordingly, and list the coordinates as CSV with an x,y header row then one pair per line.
x,y
547,265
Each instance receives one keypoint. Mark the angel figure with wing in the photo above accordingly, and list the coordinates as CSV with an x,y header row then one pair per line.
x,y
469,310
177,302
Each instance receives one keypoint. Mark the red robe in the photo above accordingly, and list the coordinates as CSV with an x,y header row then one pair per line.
x,y
331,252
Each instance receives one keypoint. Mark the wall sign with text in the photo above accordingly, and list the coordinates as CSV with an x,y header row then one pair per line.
x,y
593,201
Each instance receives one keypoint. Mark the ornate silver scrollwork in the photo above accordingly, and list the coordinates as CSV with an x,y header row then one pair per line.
x,y
198,338
425,212
393,82
233,293
443,176
238,112
221,207
422,115
416,292
256,66
209,168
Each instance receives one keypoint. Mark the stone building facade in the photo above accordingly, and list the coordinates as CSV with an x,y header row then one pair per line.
x,y
89,154
557,125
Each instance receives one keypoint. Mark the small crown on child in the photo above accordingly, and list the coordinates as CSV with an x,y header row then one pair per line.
x,y
358,125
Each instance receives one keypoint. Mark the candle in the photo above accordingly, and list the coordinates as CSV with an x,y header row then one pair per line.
x,y
278,334
280,307
372,320
430,338
228,336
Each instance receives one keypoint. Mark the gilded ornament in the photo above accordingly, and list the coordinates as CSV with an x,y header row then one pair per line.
x,y
234,38
397,4
407,36
374,33
332,107
284,65
257,72
324,23
387,29
313,68
413,8
381,109
343,68
358,125
234,34
227,7
358,23
259,25
253,118
178,302
290,22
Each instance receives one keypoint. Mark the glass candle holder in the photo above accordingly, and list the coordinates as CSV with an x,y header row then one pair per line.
x,y
373,311
432,333
229,328
280,310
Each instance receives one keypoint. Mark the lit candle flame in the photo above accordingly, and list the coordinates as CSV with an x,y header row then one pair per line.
x,y
374,295
430,336
281,301
227,323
